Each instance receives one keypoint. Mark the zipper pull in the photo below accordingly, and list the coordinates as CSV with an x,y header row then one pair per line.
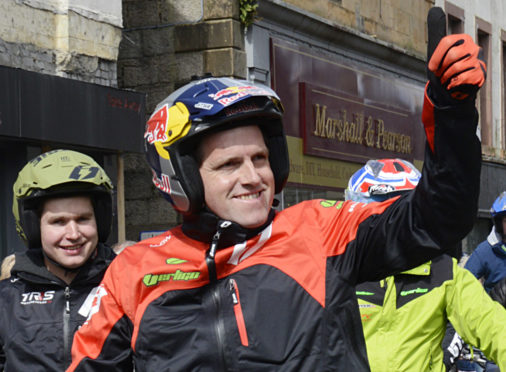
x,y
233,291
239,316
211,252
67,299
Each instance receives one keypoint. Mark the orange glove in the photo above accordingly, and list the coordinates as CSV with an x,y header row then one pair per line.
x,y
457,70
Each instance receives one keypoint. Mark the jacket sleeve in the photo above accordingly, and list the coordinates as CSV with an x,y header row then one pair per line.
x,y
498,293
437,214
103,342
475,264
478,319
452,345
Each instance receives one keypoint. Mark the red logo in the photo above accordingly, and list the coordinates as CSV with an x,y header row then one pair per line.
x,y
231,90
156,127
162,184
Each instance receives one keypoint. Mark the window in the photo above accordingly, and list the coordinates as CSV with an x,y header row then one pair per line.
x,y
483,39
455,23
503,91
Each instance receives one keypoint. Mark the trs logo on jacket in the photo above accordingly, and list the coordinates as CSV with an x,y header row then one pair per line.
x,y
41,298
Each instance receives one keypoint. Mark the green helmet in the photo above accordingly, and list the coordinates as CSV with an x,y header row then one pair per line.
x,y
60,173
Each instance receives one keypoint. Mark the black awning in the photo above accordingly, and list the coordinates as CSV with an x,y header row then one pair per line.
x,y
36,106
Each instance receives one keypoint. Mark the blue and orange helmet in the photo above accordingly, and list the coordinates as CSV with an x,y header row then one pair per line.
x,y
200,108
382,179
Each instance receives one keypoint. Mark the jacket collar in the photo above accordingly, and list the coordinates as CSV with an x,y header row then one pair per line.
x,y
494,237
203,226
423,269
30,266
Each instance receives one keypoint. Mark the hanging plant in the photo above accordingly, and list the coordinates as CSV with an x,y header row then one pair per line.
x,y
247,11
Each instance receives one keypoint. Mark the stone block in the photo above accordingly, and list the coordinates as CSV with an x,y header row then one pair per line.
x,y
218,9
134,162
160,211
225,62
187,65
177,11
86,36
136,212
208,35
157,41
155,96
138,185
130,45
145,72
403,22
140,13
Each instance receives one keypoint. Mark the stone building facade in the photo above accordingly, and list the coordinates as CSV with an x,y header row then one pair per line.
x,y
166,42
58,89
151,47
75,39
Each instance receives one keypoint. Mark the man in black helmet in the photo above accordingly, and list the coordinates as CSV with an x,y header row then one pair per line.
x,y
239,286
62,208
488,260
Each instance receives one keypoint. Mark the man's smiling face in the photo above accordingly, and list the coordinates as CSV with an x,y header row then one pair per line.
x,y
237,177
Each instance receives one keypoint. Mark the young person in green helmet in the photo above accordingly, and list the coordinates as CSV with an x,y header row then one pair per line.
x,y
62,207
404,316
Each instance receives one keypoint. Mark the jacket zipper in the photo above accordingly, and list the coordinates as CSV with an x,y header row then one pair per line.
x,y
239,317
215,291
66,325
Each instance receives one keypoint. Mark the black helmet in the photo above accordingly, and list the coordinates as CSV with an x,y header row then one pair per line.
x,y
197,109
54,174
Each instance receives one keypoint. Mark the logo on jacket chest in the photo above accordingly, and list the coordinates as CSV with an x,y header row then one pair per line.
x,y
40,298
154,279
179,275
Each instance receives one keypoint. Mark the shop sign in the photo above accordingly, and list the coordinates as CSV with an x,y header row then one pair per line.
x,y
337,125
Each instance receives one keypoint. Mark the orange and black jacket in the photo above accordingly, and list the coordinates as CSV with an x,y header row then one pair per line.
x,y
284,299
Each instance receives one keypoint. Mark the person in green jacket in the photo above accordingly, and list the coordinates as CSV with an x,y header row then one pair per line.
x,y
404,316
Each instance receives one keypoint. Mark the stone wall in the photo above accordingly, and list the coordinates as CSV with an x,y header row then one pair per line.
x,y
165,43
398,22
60,38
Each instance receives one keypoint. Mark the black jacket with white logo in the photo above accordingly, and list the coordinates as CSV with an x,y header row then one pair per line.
x,y
40,312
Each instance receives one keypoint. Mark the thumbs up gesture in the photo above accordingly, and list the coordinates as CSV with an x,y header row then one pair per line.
x,y
455,69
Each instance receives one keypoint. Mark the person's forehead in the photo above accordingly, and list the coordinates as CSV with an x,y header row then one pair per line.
x,y
75,201
243,135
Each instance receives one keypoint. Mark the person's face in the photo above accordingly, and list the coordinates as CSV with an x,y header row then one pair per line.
x,y
68,230
237,176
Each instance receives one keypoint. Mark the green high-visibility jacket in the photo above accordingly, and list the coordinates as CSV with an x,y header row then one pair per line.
x,y
404,317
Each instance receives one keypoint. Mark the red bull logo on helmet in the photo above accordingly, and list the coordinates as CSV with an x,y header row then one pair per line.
x,y
223,96
156,127
162,184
